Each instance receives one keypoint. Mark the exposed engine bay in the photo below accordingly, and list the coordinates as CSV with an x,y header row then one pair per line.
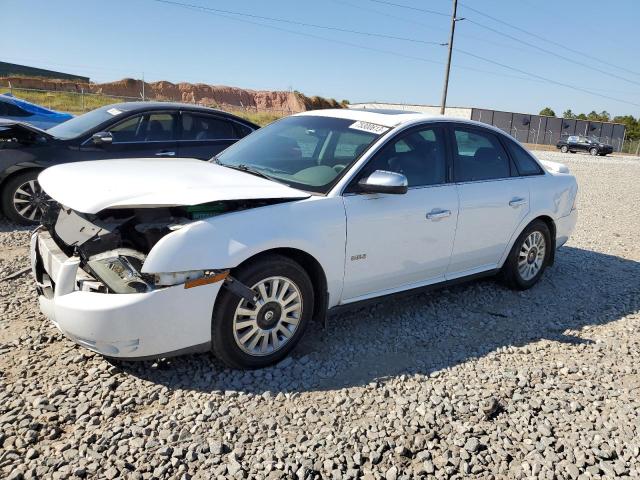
x,y
112,245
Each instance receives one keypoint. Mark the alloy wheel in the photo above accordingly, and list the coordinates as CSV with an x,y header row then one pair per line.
x,y
531,255
30,201
268,324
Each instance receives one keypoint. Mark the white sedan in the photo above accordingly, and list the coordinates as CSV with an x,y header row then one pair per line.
x,y
154,257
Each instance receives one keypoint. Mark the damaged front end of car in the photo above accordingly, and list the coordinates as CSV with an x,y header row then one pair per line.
x,y
111,246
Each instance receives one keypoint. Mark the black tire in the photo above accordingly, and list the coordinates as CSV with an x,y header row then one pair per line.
x,y
593,152
9,194
564,149
224,343
511,274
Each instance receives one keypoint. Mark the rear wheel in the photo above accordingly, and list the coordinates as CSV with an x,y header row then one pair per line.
x,y
593,152
258,334
23,200
529,257
564,149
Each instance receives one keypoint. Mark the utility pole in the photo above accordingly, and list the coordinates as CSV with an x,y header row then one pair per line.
x,y
443,104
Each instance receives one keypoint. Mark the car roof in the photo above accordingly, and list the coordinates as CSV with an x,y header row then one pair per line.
x,y
393,118
137,106
387,118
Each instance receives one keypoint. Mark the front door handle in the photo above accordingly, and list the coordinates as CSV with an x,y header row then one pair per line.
x,y
517,202
437,214
165,154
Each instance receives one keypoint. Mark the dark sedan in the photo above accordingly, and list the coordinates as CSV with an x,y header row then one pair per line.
x,y
125,130
580,143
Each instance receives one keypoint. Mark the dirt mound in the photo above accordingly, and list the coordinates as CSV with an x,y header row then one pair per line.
x,y
213,95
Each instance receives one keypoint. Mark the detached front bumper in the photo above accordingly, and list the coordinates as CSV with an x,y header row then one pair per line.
x,y
138,325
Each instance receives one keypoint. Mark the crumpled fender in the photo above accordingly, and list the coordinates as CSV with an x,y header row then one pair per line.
x,y
316,226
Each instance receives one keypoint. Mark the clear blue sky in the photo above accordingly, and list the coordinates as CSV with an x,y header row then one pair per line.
x,y
108,40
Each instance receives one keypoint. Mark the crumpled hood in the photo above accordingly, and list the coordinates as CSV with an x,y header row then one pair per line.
x,y
10,128
90,187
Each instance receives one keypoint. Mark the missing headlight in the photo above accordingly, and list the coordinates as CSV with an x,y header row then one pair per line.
x,y
119,269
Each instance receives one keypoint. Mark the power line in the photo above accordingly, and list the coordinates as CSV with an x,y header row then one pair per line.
x,y
388,15
363,47
549,80
303,24
411,57
408,7
552,42
511,37
550,52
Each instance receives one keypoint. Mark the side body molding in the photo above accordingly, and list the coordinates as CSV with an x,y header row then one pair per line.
x,y
316,226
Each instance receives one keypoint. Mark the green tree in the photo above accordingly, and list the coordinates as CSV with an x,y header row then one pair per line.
x,y
568,114
581,116
604,116
546,111
632,124
593,116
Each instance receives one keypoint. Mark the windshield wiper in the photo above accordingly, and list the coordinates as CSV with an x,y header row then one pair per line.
x,y
243,168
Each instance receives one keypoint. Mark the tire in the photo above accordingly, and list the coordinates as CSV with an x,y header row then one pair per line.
x,y
23,199
521,273
564,149
593,152
232,325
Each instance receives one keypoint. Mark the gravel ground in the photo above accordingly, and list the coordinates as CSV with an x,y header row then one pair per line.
x,y
472,381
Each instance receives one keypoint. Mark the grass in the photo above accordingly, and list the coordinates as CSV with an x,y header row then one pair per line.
x,y
77,104
259,118
64,101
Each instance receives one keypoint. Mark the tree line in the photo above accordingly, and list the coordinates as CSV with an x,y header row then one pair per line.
x,y
632,123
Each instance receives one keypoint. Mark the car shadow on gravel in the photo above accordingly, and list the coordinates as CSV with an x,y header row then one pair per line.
x,y
427,332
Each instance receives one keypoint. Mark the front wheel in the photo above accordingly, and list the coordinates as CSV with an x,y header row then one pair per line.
x,y
593,152
529,257
564,149
23,200
258,334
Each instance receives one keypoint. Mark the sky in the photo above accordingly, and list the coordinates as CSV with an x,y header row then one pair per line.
x,y
109,40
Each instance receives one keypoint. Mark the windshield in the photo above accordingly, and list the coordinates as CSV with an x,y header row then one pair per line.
x,y
305,152
78,125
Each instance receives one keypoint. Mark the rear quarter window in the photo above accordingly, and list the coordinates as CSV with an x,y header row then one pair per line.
x,y
524,163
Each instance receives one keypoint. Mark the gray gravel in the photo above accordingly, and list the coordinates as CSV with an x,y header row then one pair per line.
x,y
472,381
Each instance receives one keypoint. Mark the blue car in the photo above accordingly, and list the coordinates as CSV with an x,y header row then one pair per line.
x,y
12,108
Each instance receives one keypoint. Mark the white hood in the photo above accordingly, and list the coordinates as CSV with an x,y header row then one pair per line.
x,y
90,187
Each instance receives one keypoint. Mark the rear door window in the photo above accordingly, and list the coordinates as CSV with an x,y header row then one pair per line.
x,y
478,156
207,127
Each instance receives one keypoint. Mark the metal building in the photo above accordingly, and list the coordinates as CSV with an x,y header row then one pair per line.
x,y
536,129
548,130
11,69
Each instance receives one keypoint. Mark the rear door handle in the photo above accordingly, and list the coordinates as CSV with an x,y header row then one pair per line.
x,y
165,154
517,202
436,214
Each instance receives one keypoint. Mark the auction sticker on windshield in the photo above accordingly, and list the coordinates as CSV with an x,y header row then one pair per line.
x,y
114,111
369,127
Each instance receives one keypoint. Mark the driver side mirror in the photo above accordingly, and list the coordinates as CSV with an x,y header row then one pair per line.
x,y
382,181
102,138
